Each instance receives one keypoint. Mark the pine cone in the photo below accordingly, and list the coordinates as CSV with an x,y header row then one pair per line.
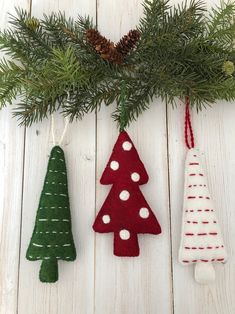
x,y
103,46
128,42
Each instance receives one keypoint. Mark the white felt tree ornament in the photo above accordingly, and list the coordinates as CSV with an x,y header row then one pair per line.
x,y
201,238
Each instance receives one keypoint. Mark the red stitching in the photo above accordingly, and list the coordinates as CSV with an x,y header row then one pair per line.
x,y
204,260
199,210
194,185
196,222
200,196
201,234
193,163
203,248
194,174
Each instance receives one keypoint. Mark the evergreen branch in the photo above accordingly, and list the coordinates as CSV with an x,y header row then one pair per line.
x,y
11,76
181,51
221,25
31,32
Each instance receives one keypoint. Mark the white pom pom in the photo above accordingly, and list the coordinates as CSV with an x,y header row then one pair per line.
x,y
124,195
124,234
114,165
127,145
135,177
144,212
106,219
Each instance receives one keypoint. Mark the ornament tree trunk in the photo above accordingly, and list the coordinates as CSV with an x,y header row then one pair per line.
x,y
125,211
52,238
201,241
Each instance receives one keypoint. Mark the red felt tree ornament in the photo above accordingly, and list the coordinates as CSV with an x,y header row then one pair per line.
x,y
125,211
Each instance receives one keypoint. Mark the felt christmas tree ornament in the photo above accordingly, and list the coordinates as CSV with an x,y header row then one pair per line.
x,y
201,239
125,212
52,238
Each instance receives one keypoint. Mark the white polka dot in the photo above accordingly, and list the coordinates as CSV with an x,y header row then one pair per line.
x,y
144,212
106,219
124,195
124,234
127,145
135,176
114,165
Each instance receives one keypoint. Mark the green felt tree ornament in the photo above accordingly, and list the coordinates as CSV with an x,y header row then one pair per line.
x,y
52,238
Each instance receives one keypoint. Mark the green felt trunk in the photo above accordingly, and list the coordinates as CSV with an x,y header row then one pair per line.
x,y
49,271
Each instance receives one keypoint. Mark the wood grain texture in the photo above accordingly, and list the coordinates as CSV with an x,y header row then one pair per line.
x,y
11,167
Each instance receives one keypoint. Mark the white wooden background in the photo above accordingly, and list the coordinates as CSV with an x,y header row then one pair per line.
x,y
97,282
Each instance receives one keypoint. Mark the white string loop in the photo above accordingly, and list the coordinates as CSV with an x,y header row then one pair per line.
x,y
53,130
66,120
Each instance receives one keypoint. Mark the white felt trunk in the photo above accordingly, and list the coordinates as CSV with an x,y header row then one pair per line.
x,y
201,238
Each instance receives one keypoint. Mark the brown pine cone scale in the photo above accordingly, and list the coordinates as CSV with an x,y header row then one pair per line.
x,y
106,48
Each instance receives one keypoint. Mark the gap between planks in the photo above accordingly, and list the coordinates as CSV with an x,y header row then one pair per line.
x,y
169,209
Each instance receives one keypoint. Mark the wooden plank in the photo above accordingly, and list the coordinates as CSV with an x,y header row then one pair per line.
x,y
11,166
215,136
73,293
143,284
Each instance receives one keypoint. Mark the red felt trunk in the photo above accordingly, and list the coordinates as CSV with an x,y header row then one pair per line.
x,y
125,210
126,248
